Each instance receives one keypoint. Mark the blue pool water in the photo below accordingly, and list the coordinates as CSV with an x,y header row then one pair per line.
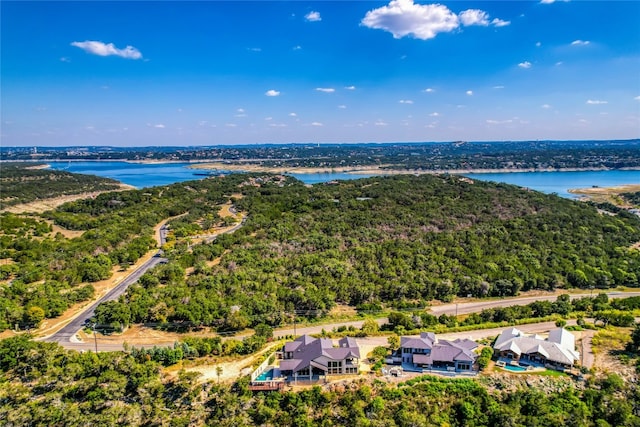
x,y
265,376
514,368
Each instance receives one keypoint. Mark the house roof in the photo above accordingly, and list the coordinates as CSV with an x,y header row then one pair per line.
x,y
320,350
451,351
424,341
558,348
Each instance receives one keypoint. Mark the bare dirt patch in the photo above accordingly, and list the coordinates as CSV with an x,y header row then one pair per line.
x,y
43,205
607,194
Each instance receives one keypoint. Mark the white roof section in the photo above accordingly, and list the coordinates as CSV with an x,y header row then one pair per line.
x,y
560,347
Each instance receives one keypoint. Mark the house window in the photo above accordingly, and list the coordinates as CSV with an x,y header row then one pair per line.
x,y
352,370
335,367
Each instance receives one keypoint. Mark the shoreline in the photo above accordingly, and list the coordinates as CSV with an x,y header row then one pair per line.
x,y
378,170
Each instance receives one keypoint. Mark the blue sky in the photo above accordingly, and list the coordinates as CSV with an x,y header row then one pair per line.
x,y
213,72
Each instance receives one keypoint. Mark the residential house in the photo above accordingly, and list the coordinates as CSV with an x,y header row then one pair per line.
x,y
557,351
310,358
428,352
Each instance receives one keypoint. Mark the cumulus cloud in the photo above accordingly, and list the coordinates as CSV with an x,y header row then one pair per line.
x,y
469,92
580,43
380,123
596,102
103,49
499,122
350,87
316,124
434,114
499,87
297,47
325,89
538,44
474,17
272,92
293,115
313,16
405,101
429,90
65,59
550,1
525,64
545,106
402,18
500,23
423,21
637,98
342,107
277,125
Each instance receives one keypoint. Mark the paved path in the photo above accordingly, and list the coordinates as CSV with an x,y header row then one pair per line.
x,y
65,334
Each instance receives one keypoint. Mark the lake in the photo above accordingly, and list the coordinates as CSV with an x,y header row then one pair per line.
x,y
141,175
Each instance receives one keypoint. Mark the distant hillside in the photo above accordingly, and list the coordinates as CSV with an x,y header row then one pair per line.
x,y
393,241
23,183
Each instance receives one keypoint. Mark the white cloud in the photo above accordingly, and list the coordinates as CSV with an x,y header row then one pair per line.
x,y
525,65
474,17
350,87
429,90
231,125
434,114
313,16
538,44
159,126
545,106
240,110
380,123
637,98
65,59
342,107
277,125
293,115
500,23
272,92
596,102
316,124
102,49
297,47
557,64
402,18
580,43
469,92
325,89
405,101
268,118
499,87
499,122
551,1
423,21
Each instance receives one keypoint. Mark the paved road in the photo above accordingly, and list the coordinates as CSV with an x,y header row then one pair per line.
x,y
65,334
475,307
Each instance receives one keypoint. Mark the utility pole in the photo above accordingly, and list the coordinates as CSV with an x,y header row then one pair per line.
x,y
95,337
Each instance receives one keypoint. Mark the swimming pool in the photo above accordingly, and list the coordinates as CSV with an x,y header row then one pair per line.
x,y
265,376
514,368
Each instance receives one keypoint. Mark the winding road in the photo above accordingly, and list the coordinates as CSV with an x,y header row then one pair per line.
x,y
65,336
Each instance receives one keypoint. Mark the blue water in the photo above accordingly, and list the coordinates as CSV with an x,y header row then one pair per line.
x,y
561,182
514,368
265,376
141,175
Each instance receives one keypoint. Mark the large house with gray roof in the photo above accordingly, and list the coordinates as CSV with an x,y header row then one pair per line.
x,y
557,351
428,352
310,358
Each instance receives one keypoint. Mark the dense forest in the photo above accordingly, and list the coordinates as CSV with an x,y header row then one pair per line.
x,y
42,384
22,184
393,242
383,242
